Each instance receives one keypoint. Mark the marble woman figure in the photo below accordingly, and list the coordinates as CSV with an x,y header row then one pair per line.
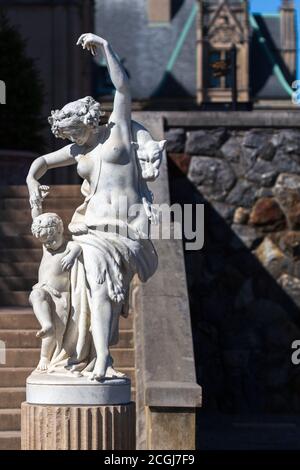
x,y
115,161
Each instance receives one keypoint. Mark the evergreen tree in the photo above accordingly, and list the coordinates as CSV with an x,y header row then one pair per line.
x,y
20,117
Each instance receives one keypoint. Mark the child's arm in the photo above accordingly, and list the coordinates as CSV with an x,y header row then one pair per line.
x,y
73,251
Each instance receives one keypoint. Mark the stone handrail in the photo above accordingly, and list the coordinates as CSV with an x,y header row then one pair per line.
x,y
167,392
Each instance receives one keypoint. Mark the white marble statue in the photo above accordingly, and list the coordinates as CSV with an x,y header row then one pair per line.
x,y
83,290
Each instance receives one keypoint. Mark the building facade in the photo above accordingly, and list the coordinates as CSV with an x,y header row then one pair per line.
x,y
171,49
50,29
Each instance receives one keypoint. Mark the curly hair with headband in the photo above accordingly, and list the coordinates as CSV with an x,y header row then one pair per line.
x,y
85,111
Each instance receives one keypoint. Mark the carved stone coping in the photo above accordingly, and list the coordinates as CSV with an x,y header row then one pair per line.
x,y
164,344
231,119
173,394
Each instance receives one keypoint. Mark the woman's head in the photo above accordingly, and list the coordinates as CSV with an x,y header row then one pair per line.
x,y
76,120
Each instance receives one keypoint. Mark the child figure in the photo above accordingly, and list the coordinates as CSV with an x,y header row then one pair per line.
x,y
50,297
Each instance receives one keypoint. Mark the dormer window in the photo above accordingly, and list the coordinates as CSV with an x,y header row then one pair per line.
x,y
219,68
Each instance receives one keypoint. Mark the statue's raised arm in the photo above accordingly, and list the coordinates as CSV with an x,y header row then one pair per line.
x,y
122,101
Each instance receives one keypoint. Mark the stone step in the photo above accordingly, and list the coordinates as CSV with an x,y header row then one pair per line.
x,y
12,397
10,419
13,191
14,376
130,372
21,241
10,440
17,318
10,231
27,339
61,190
50,205
14,298
24,216
20,357
23,270
123,357
14,229
20,255
8,283
20,339
29,357
126,323
23,318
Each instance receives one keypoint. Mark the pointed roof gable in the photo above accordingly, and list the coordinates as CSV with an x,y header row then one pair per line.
x,y
224,27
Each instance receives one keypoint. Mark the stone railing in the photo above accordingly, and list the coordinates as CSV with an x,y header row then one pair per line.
x,y
167,392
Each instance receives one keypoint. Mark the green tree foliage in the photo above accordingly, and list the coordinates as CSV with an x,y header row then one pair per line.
x,y
20,117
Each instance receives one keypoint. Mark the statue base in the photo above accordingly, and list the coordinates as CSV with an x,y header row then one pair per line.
x,y
51,427
73,413
55,389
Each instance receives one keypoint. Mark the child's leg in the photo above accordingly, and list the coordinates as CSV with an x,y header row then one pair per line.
x,y
41,304
47,348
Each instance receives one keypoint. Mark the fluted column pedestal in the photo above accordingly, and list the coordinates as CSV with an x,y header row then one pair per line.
x,y
51,427
73,413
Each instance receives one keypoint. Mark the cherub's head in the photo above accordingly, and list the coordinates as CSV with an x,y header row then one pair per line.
x,y
77,120
48,228
150,156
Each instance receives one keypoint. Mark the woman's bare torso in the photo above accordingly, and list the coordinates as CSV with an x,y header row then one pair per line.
x,y
111,169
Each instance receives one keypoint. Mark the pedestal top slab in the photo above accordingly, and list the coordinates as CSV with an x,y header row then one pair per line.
x,y
55,389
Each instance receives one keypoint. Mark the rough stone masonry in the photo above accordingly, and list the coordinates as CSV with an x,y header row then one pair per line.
x,y
244,286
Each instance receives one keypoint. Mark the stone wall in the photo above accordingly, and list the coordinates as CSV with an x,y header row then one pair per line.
x,y
244,285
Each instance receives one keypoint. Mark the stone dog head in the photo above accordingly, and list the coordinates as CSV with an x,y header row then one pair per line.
x,y
150,156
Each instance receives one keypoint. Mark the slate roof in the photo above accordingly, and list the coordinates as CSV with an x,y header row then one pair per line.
x,y
263,81
270,28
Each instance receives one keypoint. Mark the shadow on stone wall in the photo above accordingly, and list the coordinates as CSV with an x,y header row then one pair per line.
x,y
244,323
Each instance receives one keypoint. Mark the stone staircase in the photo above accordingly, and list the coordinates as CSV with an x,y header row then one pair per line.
x,y
20,254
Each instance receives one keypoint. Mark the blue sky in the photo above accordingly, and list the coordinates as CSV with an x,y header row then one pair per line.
x,y
271,6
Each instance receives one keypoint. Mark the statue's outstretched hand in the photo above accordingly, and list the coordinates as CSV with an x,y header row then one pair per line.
x,y
44,191
37,193
90,42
